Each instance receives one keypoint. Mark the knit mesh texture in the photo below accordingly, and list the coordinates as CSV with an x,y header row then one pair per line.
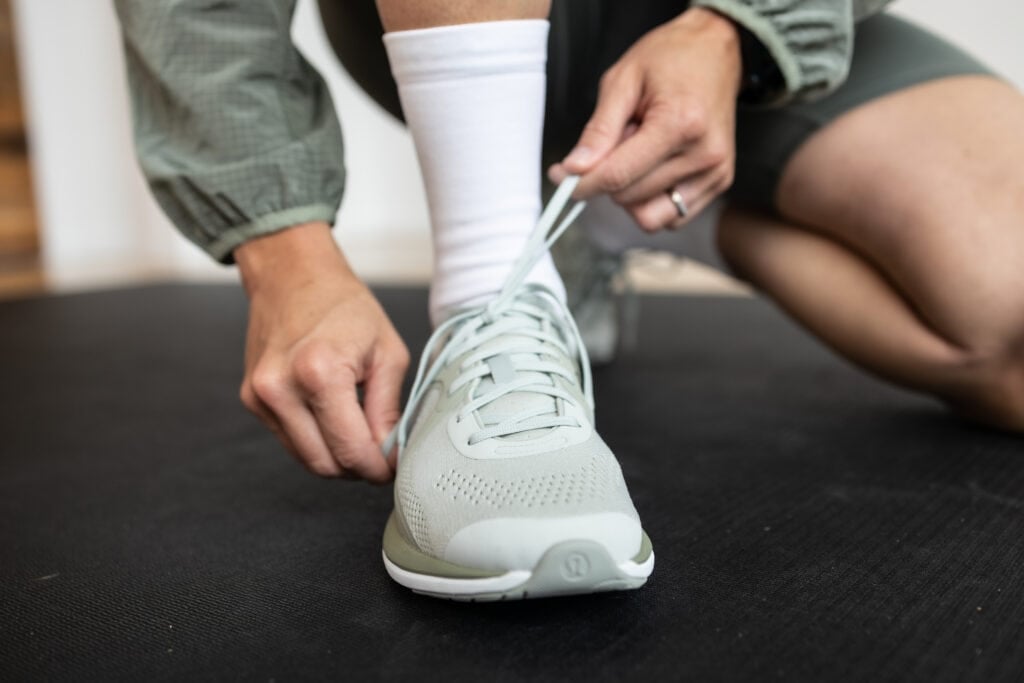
x,y
588,483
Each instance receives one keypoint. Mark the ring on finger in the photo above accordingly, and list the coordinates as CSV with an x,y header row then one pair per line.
x,y
677,199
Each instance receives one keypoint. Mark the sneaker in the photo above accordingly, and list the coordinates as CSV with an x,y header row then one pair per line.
x,y
504,489
590,275
596,264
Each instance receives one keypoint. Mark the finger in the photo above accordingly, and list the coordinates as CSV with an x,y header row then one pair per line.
x,y
660,212
617,102
661,178
382,401
343,426
348,438
292,421
301,429
658,138
266,415
558,172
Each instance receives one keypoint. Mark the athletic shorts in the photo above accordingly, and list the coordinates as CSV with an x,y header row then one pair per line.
x,y
588,36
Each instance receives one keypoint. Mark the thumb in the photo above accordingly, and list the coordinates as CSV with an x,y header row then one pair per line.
x,y
616,103
382,397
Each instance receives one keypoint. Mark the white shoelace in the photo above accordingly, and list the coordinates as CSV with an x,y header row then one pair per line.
x,y
521,311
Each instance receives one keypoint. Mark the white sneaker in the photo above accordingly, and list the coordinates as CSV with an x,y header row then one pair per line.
x,y
504,489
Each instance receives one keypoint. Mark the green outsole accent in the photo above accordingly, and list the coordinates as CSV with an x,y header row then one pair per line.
x,y
408,557
646,548
567,568
403,554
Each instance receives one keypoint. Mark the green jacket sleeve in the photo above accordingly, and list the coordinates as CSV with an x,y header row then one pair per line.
x,y
234,130
811,41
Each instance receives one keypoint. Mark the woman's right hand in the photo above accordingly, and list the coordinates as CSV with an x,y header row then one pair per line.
x,y
316,334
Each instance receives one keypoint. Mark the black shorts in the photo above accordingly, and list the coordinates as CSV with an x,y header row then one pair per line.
x,y
890,54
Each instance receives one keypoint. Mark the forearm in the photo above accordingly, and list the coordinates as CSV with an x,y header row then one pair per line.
x,y
291,258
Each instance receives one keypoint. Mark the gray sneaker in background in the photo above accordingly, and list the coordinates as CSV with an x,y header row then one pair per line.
x,y
596,288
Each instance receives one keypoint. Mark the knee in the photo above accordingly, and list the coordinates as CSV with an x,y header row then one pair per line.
x,y
736,242
995,392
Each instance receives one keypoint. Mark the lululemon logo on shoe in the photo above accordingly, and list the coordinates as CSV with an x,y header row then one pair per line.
x,y
575,567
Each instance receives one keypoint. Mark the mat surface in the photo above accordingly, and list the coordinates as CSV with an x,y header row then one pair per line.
x,y
809,522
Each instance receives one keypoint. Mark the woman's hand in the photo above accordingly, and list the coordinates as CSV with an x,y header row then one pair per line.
x,y
316,333
665,120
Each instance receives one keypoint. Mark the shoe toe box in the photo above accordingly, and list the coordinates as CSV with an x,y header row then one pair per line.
x,y
511,543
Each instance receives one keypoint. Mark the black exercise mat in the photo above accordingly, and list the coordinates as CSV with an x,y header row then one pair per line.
x,y
809,523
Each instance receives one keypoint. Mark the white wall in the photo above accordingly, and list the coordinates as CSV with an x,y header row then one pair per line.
x,y
989,29
100,225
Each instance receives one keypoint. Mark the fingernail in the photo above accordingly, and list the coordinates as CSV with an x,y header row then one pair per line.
x,y
556,174
580,156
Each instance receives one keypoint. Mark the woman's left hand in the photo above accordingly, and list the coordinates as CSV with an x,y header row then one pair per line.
x,y
665,121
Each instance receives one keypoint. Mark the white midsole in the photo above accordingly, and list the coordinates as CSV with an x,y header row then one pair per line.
x,y
491,584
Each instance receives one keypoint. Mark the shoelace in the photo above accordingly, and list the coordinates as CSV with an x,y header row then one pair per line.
x,y
514,314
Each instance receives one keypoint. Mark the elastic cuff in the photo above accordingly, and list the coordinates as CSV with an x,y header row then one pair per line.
x,y
468,50
223,246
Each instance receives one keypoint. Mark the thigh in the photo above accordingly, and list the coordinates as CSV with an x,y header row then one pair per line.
x,y
890,55
928,185
917,165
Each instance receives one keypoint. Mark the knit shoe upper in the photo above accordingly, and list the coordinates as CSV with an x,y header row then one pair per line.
x,y
503,460
498,457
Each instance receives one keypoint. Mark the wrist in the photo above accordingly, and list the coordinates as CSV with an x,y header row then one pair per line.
x,y
724,33
759,77
290,257
715,23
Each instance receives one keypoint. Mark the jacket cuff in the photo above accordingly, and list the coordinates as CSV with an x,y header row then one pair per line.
x,y
223,246
811,41
218,206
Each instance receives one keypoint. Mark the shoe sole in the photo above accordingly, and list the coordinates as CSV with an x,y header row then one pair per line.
x,y
570,567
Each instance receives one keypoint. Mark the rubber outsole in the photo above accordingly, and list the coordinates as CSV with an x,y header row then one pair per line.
x,y
570,567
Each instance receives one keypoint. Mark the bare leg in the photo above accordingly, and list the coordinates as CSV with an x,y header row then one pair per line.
x,y
902,243
405,15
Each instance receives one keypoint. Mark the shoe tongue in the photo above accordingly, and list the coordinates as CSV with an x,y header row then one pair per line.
x,y
503,371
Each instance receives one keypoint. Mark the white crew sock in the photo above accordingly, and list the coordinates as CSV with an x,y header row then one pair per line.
x,y
473,98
